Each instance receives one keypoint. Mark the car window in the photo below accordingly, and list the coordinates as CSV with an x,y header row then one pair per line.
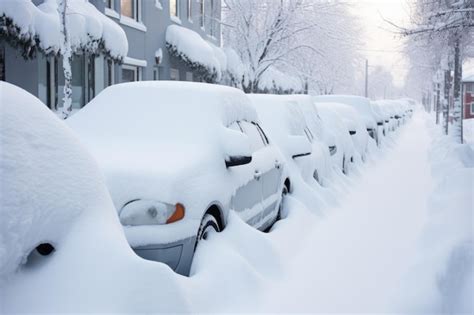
x,y
256,141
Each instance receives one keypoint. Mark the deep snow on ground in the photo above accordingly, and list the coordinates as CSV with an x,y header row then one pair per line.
x,y
395,236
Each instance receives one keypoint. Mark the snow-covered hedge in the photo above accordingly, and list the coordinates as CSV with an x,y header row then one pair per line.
x,y
275,81
31,28
191,48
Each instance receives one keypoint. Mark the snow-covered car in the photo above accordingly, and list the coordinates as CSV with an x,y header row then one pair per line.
x,y
284,120
391,109
354,123
336,132
361,105
178,156
383,117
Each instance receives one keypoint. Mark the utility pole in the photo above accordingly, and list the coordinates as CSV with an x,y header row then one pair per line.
x,y
366,78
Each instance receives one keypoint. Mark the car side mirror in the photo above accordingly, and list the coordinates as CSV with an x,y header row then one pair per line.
x,y
232,161
299,146
236,148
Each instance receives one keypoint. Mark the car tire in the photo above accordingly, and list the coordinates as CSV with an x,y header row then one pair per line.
x,y
208,225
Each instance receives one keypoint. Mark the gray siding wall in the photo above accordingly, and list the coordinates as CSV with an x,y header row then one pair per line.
x,y
31,74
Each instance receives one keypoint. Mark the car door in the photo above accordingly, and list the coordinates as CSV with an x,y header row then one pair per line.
x,y
247,199
272,185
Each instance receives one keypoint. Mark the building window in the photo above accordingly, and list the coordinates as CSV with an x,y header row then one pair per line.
x,y
212,18
189,76
470,87
174,8
174,74
156,73
201,13
110,4
130,73
190,10
2,63
129,8
52,83
472,108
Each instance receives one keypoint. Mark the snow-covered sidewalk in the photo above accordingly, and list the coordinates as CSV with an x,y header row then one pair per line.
x,y
355,259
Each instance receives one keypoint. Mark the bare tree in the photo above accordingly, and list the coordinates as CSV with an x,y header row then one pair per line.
x,y
66,52
448,25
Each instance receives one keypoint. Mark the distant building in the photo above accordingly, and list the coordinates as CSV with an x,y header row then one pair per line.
x,y
468,96
145,24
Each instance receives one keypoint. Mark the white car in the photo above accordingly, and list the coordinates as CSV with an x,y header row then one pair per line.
x,y
361,105
178,156
354,123
283,118
336,133
383,117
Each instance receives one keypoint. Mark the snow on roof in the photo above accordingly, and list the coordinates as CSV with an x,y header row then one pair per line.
x,y
40,199
39,27
469,79
275,79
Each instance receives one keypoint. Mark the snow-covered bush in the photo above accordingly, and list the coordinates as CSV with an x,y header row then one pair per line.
x,y
194,51
276,82
34,28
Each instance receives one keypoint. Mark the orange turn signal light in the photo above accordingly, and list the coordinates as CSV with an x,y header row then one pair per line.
x,y
177,215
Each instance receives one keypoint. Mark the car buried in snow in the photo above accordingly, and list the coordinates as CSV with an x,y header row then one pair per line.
x,y
354,124
283,118
177,157
337,133
361,105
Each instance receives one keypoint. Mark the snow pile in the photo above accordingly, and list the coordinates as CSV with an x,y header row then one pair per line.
x,y
40,197
442,279
39,27
468,134
195,51
279,82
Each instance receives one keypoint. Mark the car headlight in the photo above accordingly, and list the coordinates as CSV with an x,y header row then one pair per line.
x,y
150,212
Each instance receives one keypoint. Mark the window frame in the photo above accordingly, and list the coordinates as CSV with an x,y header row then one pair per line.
x,y
190,10
135,69
472,108
136,5
177,8
202,11
175,70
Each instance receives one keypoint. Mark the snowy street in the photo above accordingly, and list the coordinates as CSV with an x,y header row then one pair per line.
x,y
236,156
361,256
365,246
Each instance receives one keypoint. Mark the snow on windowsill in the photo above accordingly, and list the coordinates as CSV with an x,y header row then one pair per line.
x,y
112,13
125,20
135,62
176,20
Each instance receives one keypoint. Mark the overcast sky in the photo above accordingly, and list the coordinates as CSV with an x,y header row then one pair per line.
x,y
382,47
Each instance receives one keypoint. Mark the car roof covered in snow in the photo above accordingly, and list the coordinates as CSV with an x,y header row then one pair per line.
x,y
361,104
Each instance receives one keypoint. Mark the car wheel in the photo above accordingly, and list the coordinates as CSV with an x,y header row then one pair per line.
x,y
284,192
208,225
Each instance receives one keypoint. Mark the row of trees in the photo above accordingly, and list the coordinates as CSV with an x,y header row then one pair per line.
x,y
315,41
440,40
